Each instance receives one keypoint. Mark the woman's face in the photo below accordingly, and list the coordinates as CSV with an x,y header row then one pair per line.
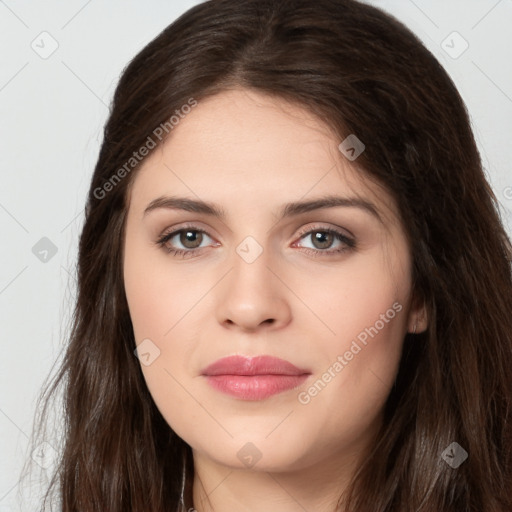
x,y
325,287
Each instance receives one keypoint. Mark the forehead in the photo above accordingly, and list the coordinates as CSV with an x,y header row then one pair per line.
x,y
246,143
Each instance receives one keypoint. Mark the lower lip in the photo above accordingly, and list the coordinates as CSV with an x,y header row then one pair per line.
x,y
255,387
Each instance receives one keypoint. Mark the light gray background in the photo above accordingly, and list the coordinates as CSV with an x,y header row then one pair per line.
x,y
52,112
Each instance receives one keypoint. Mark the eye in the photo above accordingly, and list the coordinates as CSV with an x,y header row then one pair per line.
x,y
323,240
189,237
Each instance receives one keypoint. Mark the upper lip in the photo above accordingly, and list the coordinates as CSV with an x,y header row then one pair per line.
x,y
259,365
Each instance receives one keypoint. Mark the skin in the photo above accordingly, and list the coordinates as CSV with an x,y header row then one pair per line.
x,y
250,154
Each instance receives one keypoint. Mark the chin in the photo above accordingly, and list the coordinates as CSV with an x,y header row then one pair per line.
x,y
255,452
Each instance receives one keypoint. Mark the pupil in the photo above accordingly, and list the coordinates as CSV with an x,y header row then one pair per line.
x,y
190,238
324,239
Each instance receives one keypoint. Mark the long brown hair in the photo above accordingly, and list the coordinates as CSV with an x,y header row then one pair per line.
x,y
362,72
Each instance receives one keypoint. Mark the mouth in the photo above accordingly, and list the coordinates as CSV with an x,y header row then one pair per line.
x,y
254,378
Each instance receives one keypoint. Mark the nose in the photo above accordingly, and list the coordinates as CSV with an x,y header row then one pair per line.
x,y
253,296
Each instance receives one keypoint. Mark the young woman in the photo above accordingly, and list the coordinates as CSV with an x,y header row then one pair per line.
x,y
294,288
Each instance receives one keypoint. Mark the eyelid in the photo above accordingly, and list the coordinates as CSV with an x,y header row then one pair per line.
x,y
324,227
171,232
303,231
347,239
348,242
192,226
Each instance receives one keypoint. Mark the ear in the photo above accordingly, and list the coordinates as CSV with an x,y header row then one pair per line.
x,y
417,321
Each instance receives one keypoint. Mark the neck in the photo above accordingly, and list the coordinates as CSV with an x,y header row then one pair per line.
x,y
319,487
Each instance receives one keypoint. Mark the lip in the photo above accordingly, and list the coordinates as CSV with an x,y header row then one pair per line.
x,y
254,378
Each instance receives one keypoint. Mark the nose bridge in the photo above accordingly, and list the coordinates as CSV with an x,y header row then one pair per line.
x,y
252,295
251,276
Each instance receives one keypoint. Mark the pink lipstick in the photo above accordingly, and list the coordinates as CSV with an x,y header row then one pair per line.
x,y
254,378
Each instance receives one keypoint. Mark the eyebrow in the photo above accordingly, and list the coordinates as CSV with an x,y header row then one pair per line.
x,y
288,210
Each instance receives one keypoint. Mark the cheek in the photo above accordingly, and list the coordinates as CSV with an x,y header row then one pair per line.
x,y
344,400
367,312
158,294
356,296
159,300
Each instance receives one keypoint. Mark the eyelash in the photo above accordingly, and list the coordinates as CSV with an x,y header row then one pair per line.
x,y
187,253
